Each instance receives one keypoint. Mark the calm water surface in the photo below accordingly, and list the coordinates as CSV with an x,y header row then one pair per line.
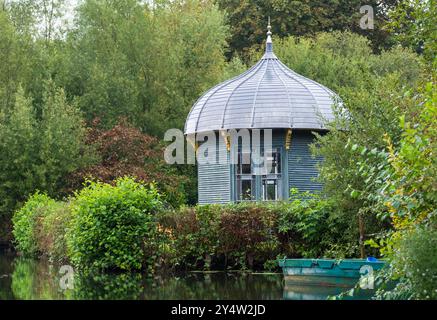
x,y
35,279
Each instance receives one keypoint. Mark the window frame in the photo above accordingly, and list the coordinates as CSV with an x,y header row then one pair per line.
x,y
258,176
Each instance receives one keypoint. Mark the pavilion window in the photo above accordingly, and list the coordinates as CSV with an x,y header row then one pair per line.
x,y
270,189
272,176
273,162
244,163
245,178
256,180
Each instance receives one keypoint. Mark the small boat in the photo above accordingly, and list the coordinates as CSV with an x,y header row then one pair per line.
x,y
328,272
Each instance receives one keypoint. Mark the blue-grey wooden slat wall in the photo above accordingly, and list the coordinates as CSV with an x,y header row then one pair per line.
x,y
302,166
214,180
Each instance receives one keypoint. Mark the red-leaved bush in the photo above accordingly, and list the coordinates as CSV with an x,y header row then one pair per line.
x,y
126,151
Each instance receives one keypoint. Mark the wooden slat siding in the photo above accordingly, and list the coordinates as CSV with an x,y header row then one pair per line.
x,y
214,183
302,168
278,137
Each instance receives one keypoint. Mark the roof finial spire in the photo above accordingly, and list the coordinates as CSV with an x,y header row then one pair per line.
x,y
269,43
269,28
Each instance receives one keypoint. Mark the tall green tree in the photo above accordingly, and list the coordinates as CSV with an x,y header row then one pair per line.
x,y
37,152
190,39
248,20
26,59
15,59
413,24
344,61
124,58
369,86
61,148
18,152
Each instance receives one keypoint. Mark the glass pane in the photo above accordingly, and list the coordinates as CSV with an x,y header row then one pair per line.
x,y
278,162
246,190
245,164
270,190
273,163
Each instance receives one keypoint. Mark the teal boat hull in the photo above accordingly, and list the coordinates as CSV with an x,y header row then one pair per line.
x,y
327,272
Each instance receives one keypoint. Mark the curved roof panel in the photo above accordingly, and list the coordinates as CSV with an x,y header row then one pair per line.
x,y
268,95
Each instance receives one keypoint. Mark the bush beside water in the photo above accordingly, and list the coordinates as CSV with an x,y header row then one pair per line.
x,y
29,220
125,226
110,224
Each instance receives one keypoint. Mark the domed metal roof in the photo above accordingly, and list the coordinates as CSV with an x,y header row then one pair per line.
x,y
268,95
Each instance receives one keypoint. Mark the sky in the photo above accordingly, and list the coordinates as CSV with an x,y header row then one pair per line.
x,y
70,5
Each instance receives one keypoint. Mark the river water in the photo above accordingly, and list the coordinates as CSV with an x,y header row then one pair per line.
x,y
22,278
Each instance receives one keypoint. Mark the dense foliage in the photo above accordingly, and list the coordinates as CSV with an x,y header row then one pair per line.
x,y
344,62
126,227
409,192
117,58
412,23
399,187
45,146
301,18
111,223
125,151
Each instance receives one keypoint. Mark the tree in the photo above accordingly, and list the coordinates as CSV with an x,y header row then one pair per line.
x,y
25,59
62,135
248,20
37,152
125,151
124,59
50,12
401,187
18,150
15,58
413,25
191,38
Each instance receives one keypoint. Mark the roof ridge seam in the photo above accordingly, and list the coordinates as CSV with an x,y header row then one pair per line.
x,y
256,94
230,95
217,87
329,91
288,96
312,95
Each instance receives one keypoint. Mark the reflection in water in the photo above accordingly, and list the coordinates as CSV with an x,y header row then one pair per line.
x,y
308,292
35,279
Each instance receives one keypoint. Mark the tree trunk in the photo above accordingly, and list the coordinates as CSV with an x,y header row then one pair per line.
x,y
361,229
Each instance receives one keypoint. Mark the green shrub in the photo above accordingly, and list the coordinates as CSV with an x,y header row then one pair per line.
x,y
306,227
51,229
195,233
253,234
247,234
111,224
26,220
114,227
235,235
414,266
